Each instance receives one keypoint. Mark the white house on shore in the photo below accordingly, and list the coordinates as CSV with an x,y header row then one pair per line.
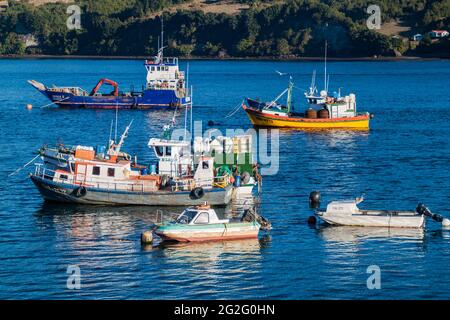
x,y
3,5
436,34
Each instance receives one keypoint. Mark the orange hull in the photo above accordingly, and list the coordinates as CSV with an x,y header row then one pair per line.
x,y
259,118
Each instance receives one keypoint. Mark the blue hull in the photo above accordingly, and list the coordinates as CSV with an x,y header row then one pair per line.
x,y
148,100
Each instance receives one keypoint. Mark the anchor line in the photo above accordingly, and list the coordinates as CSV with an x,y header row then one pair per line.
x,y
54,102
236,109
23,167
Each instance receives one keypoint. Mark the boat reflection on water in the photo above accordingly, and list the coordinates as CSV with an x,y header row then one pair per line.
x,y
355,234
89,222
211,249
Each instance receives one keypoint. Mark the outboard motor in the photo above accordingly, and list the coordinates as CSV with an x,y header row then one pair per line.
x,y
250,215
314,200
422,209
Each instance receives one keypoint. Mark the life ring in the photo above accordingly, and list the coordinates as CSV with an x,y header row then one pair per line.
x,y
196,193
80,192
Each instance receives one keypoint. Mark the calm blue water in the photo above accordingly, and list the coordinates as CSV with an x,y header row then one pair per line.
x,y
404,159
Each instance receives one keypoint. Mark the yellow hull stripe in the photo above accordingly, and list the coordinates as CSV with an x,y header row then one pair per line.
x,y
267,121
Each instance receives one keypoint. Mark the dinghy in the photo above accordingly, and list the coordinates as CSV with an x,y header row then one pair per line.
x,y
347,213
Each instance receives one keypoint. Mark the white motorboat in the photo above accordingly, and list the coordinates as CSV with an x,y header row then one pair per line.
x,y
347,213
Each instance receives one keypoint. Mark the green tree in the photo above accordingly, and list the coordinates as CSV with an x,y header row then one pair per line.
x,y
283,47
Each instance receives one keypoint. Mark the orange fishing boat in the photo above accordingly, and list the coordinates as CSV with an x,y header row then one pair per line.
x,y
335,112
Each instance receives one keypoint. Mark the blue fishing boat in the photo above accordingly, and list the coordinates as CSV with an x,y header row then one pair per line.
x,y
166,87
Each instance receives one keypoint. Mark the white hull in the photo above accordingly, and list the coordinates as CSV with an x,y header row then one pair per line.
x,y
245,190
373,220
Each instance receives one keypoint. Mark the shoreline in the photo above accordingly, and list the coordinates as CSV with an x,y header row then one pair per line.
x,y
281,59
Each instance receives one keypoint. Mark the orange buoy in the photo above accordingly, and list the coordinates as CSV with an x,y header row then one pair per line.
x,y
29,106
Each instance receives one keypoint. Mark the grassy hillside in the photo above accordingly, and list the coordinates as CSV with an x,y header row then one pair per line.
x,y
237,28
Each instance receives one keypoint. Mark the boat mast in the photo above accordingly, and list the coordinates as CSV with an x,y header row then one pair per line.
x,y
185,122
312,88
325,69
122,138
289,95
110,134
192,107
162,38
117,115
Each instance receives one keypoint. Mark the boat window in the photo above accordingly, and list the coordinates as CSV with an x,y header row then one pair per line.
x,y
205,165
186,217
64,177
72,166
202,218
168,151
96,171
111,172
159,151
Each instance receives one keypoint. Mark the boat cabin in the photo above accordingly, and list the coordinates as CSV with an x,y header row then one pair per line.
x,y
174,157
342,107
164,73
199,215
107,175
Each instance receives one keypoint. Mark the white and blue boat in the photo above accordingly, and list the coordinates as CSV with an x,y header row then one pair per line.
x,y
166,87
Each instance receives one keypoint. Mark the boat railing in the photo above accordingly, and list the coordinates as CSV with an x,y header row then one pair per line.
x,y
136,186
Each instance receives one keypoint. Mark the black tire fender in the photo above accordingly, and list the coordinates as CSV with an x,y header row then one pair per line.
x,y
80,192
197,193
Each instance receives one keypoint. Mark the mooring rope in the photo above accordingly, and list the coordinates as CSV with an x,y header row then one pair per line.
x,y
54,102
23,167
236,109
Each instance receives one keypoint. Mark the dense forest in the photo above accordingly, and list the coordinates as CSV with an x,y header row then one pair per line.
x,y
291,28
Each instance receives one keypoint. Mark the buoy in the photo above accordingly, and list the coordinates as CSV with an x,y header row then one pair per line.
x,y
312,220
146,237
446,222
314,199
372,116
29,106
